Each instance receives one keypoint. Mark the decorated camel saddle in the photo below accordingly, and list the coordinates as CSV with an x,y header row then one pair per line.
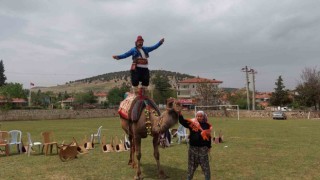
x,y
131,107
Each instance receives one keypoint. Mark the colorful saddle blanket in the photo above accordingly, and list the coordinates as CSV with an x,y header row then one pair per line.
x,y
131,107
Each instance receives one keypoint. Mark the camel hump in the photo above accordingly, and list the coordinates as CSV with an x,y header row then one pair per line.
x,y
139,105
132,107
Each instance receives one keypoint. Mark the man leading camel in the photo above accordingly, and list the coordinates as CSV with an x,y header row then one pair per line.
x,y
139,68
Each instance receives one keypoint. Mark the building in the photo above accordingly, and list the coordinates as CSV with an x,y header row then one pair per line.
x,y
16,102
263,99
65,104
187,92
101,97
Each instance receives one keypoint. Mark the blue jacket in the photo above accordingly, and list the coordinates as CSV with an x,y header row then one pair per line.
x,y
135,53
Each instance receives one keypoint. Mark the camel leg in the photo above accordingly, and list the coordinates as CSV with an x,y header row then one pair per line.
x,y
137,141
132,152
156,155
127,127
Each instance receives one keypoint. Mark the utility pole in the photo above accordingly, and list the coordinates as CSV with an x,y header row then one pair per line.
x,y
253,72
245,69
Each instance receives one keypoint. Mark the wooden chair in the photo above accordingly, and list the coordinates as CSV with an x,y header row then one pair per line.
x,y
107,147
88,144
119,146
48,140
4,141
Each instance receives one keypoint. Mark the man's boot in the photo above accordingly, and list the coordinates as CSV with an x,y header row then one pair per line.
x,y
135,90
144,91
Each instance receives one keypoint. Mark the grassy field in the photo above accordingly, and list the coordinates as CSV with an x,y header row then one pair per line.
x,y
253,149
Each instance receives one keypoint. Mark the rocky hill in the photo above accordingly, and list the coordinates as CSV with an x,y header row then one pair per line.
x,y
105,82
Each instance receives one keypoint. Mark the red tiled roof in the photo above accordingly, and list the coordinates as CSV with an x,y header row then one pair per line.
x,y
70,99
18,100
100,94
263,95
200,80
186,101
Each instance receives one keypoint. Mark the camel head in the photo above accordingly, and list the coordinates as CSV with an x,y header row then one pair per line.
x,y
170,117
172,104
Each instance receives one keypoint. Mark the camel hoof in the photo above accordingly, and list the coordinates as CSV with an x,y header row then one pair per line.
x,y
162,175
137,178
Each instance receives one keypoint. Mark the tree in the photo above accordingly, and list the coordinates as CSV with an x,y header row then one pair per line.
x,y
87,97
280,96
238,97
3,77
13,90
308,90
208,93
162,89
43,99
116,94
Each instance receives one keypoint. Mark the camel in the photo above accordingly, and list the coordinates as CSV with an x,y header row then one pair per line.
x,y
150,123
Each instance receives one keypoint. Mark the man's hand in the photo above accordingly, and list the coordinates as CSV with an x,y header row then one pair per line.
x,y
162,40
115,57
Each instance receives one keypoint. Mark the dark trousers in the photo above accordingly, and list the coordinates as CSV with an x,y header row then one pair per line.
x,y
140,75
198,156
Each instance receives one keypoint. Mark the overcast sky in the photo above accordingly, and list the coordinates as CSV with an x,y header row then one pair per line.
x,y
53,42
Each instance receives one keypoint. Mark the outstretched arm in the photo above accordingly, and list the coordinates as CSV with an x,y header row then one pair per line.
x,y
125,55
151,48
183,121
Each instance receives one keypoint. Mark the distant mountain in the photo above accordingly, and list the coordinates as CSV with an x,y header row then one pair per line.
x,y
105,82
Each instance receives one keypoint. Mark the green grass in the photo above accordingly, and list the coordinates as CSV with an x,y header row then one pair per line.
x,y
253,149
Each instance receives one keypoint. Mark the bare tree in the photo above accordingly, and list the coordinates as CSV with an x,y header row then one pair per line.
x,y
208,93
308,89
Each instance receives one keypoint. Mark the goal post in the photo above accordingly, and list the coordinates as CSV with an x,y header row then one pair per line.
x,y
224,110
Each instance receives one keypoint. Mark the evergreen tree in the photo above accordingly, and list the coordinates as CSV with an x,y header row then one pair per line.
x,y
280,96
3,77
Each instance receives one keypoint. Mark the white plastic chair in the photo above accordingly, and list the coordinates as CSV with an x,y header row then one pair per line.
x,y
31,143
15,139
182,134
127,144
97,135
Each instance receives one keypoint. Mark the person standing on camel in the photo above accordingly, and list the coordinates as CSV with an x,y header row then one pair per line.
x,y
139,68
